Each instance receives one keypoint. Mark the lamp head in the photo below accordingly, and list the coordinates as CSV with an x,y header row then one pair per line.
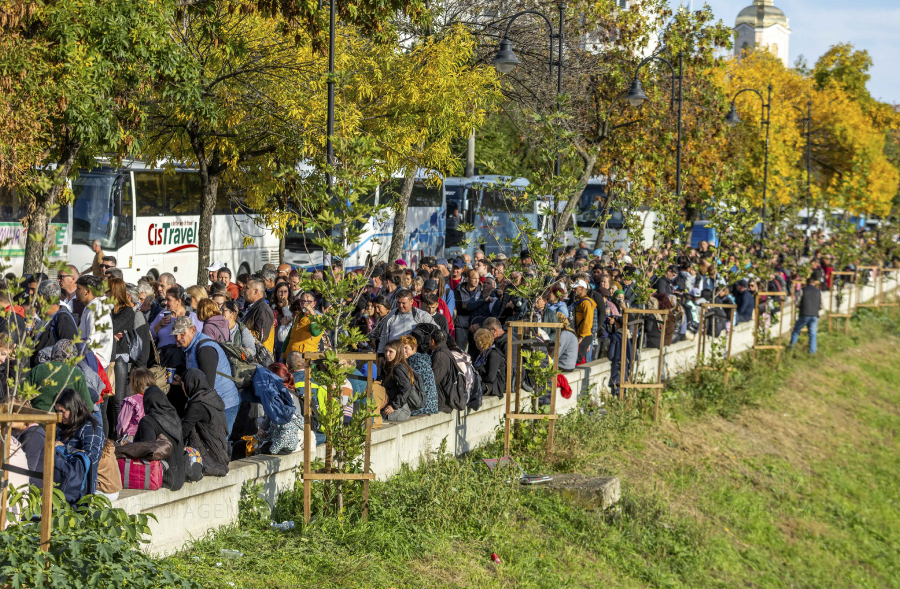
x,y
732,117
636,95
505,61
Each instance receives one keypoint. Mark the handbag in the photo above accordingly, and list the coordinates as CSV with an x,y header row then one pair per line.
x,y
109,480
135,345
160,373
141,474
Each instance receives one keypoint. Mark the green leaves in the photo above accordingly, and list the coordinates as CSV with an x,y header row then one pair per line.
x,y
92,545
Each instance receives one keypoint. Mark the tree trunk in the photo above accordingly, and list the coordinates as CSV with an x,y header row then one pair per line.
x,y
566,215
400,218
209,185
281,250
601,228
38,218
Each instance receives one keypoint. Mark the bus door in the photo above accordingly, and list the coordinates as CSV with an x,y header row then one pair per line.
x,y
457,213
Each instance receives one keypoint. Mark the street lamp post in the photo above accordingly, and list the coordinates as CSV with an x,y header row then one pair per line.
x,y
637,97
807,123
506,60
732,119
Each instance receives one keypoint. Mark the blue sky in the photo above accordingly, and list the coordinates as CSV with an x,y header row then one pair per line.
x,y
873,25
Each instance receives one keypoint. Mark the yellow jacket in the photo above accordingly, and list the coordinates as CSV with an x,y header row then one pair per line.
x,y
584,316
305,335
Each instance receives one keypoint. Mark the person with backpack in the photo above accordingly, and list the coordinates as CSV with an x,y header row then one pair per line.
x,y
52,377
421,365
78,431
203,353
446,374
215,325
60,321
399,382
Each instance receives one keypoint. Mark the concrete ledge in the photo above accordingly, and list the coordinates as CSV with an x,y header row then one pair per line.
x,y
212,503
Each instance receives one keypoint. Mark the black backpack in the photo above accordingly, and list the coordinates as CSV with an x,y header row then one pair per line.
x,y
416,399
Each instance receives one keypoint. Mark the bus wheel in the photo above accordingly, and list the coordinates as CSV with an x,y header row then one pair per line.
x,y
154,273
244,268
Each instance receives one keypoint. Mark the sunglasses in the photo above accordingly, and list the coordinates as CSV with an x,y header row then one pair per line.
x,y
107,266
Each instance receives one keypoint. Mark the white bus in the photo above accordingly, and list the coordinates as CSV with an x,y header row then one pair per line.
x,y
424,235
13,233
149,220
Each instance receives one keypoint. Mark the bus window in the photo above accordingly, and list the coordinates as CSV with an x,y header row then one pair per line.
x,y
422,194
13,209
160,194
503,201
92,210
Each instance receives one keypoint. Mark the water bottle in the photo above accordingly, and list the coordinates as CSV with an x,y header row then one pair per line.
x,y
283,526
230,553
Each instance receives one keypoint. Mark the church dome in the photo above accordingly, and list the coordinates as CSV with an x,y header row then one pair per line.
x,y
762,14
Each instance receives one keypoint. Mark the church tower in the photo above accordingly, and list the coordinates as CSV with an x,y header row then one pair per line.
x,y
762,26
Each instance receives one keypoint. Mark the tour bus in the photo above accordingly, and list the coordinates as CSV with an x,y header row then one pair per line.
x,y
483,201
424,235
588,213
13,233
148,218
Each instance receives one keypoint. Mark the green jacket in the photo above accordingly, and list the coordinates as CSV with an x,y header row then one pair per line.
x,y
51,378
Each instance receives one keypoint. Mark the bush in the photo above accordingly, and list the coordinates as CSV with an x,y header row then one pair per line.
x,y
91,545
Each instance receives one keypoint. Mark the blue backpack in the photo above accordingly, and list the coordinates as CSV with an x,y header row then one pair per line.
x,y
70,473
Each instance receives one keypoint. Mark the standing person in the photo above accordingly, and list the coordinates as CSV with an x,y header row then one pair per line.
x,y
744,301
122,329
240,335
205,354
224,275
399,322
97,268
171,355
165,282
213,270
810,303
469,299
215,325
66,279
305,333
258,317
95,325
60,322
584,312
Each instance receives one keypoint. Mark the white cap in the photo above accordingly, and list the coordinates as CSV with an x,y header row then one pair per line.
x,y
580,283
626,259
216,266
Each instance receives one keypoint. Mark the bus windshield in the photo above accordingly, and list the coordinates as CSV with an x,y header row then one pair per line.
x,y
92,210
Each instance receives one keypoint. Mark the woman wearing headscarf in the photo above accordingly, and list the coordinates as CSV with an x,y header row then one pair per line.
x,y
52,377
204,427
161,419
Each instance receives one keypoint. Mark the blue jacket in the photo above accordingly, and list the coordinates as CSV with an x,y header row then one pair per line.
x,y
745,303
270,392
224,386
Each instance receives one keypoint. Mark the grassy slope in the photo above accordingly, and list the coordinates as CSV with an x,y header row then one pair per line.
x,y
798,488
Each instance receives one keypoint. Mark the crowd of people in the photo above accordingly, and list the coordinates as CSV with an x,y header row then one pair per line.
x,y
160,376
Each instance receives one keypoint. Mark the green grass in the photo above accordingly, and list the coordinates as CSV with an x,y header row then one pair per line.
x,y
786,478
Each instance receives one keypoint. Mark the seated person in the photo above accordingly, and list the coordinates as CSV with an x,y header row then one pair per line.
x,y
133,407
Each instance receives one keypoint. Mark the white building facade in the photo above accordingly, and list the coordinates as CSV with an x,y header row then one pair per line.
x,y
762,26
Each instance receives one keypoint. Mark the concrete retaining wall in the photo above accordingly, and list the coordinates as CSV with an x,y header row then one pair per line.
x,y
211,503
